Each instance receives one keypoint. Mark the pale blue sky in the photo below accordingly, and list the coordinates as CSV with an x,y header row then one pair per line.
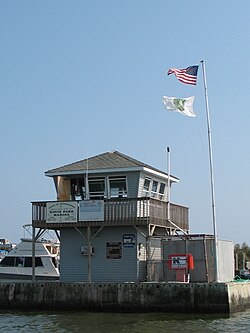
x,y
79,78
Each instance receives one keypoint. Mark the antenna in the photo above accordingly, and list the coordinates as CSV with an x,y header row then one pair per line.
x,y
87,177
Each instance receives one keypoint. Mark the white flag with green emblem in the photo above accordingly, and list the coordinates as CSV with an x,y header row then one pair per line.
x,y
182,105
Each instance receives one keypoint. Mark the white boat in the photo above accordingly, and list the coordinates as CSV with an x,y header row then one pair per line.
x,y
2,254
17,264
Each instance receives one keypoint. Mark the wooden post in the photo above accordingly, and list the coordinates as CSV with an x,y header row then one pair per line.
x,y
33,254
89,254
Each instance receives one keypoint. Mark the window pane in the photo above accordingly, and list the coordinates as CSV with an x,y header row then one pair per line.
x,y
96,188
28,262
146,184
118,187
38,262
96,185
8,262
162,188
19,261
154,186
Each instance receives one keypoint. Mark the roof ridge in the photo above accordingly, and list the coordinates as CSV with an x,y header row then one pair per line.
x,y
131,159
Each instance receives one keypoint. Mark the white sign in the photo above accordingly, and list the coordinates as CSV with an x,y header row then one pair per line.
x,y
61,212
91,210
179,262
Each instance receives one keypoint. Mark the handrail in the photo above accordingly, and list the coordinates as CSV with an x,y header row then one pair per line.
x,y
129,211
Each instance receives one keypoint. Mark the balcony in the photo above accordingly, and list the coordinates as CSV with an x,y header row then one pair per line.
x,y
120,212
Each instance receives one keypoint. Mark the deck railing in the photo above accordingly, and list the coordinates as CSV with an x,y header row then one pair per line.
x,y
125,211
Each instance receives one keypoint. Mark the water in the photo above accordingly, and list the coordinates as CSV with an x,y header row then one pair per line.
x,y
74,322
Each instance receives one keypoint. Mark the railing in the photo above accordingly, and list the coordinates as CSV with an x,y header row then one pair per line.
x,y
125,211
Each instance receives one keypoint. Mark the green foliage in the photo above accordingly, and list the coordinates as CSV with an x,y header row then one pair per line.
x,y
242,255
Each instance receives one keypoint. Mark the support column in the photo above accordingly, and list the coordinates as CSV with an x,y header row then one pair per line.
x,y
33,254
89,254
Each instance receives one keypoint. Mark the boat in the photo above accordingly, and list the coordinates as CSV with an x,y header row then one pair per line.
x,y
5,247
17,264
2,254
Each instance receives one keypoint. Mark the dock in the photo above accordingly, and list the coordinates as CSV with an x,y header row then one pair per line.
x,y
126,297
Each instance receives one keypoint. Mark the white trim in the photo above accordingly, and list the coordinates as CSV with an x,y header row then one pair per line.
x,y
162,175
113,170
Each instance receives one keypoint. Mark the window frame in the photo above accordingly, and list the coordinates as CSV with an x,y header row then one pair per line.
x,y
147,189
95,195
153,190
122,193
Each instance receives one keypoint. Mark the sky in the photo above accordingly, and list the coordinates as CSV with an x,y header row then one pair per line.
x,y
83,77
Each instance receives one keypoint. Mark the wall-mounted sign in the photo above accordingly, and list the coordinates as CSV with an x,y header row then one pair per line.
x,y
61,212
91,210
113,250
128,240
180,261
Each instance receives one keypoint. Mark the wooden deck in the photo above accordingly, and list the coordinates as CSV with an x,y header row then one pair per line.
x,y
125,211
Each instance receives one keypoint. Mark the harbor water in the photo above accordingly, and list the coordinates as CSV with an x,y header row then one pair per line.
x,y
89,322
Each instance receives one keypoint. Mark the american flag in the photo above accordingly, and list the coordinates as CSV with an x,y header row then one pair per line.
x,y
187,75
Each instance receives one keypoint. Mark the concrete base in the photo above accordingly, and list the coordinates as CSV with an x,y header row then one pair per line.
x,y
126,297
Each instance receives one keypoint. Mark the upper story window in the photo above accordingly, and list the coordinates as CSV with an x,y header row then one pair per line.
x,y
162,190
154,186
97,188
154,189
78,191
146,184
118,187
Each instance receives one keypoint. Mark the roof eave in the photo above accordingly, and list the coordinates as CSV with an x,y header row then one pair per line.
x,y
82,172
112,170
161,174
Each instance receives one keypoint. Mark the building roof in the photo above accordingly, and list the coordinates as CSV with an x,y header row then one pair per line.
x,y
106,162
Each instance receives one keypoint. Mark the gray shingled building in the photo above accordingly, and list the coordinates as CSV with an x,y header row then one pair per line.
x,y
112,212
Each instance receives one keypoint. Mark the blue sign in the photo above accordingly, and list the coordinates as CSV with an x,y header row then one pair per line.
x,y
129,240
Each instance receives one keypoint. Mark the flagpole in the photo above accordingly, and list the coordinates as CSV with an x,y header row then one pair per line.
x,y
211,173
168,198
168,171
